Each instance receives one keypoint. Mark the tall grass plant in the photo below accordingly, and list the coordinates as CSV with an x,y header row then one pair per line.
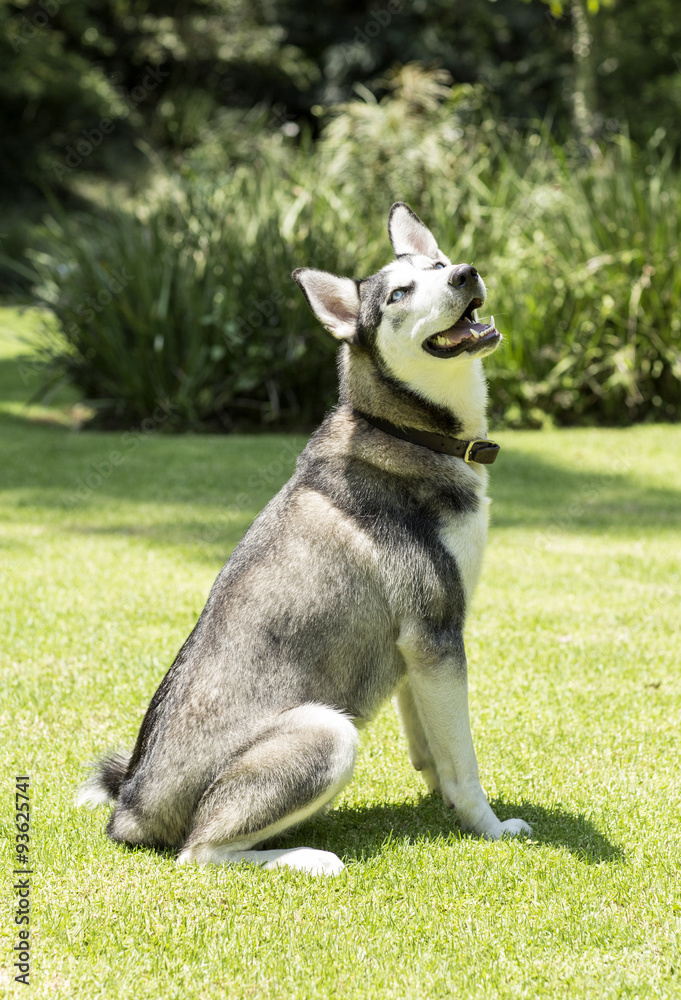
x,y
187,298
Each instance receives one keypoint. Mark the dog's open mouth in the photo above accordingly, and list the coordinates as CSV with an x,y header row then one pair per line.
x,y
466,336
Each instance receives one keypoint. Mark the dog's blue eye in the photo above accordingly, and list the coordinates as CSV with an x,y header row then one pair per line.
x,y
438,266
397,294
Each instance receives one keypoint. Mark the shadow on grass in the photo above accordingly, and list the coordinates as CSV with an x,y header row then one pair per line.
x,y
360,833
529,490
240,473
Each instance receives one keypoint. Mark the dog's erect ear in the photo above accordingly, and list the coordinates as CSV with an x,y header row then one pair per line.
x,y
408,234
333,300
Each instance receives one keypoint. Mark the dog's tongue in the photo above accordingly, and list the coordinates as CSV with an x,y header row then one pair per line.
x,y
462,329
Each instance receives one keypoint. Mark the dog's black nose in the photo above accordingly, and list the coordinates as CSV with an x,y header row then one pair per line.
x,y
463,275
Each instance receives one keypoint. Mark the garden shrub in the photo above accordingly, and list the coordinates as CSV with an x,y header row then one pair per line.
x,y
188,300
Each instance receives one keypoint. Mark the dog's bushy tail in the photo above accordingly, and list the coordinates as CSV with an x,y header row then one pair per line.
x,y
105,780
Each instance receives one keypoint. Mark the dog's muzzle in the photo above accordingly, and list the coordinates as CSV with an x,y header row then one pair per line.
x,y
466,336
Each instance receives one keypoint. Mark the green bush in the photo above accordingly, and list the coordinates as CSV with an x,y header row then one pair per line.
x,y
189,303
188,299
587,284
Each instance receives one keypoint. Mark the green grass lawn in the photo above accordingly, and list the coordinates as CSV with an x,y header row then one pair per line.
x,y
109,547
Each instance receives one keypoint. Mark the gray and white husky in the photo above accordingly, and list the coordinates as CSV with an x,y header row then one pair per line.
x,y
351,586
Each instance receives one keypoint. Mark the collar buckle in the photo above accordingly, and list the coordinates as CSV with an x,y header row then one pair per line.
x,y
481,451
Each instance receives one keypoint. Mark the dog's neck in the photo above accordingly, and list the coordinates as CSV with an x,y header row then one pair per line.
x,y
452,403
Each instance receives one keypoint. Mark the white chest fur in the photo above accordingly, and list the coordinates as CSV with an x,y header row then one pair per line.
x,y
464,537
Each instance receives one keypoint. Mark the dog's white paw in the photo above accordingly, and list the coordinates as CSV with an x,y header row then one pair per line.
x,y
306,859
509,828
515,828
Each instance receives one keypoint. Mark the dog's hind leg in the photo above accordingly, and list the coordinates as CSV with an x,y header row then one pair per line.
x,y
289,772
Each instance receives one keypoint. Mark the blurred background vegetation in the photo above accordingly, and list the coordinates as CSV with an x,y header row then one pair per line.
x,y
164,168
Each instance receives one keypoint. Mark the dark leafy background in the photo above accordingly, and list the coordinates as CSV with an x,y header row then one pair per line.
x,y
164,169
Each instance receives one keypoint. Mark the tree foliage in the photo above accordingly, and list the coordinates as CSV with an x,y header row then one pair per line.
x,y
166,76
187,300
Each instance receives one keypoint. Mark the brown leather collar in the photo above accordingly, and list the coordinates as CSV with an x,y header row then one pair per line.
x,y
478,450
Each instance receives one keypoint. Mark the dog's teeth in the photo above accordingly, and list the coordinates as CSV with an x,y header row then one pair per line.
x,y
486,329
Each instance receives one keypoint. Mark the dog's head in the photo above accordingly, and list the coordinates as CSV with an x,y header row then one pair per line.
x,y
417,312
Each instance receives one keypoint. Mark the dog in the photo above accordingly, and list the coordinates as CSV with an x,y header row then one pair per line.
x,y
351,586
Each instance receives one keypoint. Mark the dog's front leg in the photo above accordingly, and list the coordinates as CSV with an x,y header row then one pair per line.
x,y
439,687
420,753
